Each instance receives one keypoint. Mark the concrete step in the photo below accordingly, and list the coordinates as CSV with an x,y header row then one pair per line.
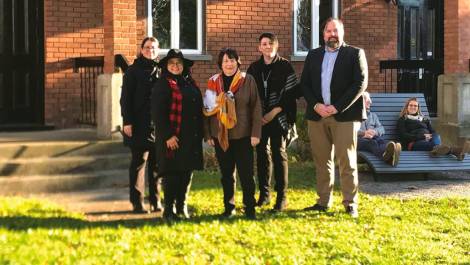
x,y
20,185
16,150
62,165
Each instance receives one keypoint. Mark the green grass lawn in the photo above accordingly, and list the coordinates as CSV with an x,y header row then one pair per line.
x,y
389,231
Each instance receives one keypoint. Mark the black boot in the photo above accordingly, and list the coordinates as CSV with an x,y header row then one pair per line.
x,y
281,203
250,213
264,199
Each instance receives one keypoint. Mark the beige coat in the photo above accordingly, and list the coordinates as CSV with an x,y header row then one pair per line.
x,y
248,109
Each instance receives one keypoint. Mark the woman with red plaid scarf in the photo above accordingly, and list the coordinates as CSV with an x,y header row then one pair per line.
x,y
177,114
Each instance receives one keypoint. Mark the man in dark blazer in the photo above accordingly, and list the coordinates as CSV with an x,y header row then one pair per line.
x,y
333,79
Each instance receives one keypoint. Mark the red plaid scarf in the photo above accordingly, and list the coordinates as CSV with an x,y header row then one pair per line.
x,y
175,110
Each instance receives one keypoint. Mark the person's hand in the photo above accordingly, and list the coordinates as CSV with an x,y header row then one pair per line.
x,y
331,109
268,117
127,130
322,110
254,141
210,142
427,136
172,143
370,133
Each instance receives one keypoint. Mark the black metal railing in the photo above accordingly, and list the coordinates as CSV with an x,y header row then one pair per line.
x,y
89,69
413,76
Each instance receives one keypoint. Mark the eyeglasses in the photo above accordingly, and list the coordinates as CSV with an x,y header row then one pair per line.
x,y
150,48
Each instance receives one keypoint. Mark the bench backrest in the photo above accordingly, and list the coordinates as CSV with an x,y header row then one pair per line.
x,y
387,106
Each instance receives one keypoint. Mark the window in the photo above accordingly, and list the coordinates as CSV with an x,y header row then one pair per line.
x,y
309,16
176,24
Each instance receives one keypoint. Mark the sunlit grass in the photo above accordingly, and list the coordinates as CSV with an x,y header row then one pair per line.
x,y
389,231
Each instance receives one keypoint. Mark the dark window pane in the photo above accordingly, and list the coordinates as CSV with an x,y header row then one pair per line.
x,y
188,24
161,15
414,33
326,11
2,26
26,28
304,29
2,94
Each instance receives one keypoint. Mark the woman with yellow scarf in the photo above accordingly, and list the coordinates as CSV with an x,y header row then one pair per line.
x,y
233,126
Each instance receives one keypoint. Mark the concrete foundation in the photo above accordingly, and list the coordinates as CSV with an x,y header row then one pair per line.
x,y
453,110
108,109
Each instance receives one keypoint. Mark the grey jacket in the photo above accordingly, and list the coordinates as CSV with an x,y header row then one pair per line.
x,y
372,122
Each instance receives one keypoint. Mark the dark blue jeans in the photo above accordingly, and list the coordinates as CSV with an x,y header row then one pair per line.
x,y
423,145
375,145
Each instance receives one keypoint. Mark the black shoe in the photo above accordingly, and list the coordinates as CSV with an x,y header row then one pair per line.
x,y
352,211
138,208
263,200
250,214
317,207
156,206
170,216
280,205
227,214
182,212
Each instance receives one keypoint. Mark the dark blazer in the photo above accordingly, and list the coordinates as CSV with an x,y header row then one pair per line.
x,y
188,156
135,102
348,81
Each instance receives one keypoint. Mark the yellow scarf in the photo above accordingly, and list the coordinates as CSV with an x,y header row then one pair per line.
x,y
225,105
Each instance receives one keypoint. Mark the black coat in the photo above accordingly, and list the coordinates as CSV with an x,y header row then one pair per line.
x,y
188,156
410,130
348,81
135,102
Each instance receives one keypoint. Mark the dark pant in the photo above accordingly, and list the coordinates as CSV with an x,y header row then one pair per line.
x,y
143,159
423,145
239,155
273,154
176,185
375,145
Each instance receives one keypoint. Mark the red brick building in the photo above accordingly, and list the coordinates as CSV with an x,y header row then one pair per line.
x,y
40,40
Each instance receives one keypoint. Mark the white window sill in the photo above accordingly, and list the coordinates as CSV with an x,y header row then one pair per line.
x,y
297,58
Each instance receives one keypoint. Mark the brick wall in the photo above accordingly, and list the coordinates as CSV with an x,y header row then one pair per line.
x,y
456,36
372,25
238,24
73,28
120,32
78,28
369,24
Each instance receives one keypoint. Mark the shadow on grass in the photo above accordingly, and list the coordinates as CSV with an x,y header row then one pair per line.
x,y
24,223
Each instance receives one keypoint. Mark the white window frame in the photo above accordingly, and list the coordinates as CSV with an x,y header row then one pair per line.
x,y
175,29
315,23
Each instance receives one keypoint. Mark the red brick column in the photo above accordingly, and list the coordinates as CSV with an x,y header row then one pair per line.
x,y
120,20
371,25
456,36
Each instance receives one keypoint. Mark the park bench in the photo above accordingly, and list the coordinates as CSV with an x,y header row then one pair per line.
x,y
387,106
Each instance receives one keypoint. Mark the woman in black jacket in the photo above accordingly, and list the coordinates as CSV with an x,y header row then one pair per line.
x,y
138,130
177,113
416,133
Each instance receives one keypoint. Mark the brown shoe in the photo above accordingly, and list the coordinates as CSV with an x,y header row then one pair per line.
x,y
389,151
460,152
396,155
440,150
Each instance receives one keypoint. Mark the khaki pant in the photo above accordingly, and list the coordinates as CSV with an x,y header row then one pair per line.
x,y
328,138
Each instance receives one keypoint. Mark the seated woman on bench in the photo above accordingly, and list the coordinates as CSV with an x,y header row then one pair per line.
x,y
416,133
